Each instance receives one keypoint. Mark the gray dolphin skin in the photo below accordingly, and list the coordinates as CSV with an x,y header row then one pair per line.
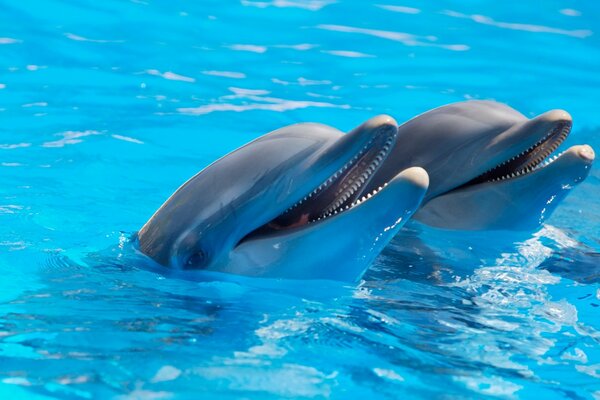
x,y
289,204
490,167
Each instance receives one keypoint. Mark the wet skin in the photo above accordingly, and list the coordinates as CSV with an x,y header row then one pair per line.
x,y
290,204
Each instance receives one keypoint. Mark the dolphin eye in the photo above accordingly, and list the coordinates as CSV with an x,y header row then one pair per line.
x,y
196,260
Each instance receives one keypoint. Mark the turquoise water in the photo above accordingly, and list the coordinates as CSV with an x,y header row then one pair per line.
x,y
106,107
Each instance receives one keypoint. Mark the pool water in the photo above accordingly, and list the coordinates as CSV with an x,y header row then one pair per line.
x,y
107,107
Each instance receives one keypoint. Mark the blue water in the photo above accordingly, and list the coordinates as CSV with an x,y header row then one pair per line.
x,y
107,106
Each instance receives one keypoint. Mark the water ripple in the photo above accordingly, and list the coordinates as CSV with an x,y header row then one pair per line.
x,y
226,74
79,38
71,137
252,48
170,76
482,19
7,40
400,9
348,53
312,5
407,39
258,102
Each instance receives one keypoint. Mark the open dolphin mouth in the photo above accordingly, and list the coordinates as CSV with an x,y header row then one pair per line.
x,y
342,191
535,157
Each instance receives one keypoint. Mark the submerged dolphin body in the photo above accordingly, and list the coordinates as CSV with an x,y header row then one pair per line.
x,y
488,165
289,204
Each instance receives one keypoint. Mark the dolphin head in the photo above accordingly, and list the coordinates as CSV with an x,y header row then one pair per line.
x,y
522,201
280,186
485,161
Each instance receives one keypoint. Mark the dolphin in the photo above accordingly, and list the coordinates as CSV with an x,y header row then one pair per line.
x,y
290,204
490,167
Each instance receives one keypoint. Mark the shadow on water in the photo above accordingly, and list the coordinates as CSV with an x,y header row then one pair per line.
x,y
580,264
425,254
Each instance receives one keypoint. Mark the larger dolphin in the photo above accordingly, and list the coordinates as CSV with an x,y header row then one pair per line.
x,y
290,204
490,167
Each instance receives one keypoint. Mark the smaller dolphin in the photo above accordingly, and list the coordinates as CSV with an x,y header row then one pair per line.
x,y
489,166
290,204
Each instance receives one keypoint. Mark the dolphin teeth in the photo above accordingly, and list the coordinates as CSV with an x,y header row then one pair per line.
x,y
352,182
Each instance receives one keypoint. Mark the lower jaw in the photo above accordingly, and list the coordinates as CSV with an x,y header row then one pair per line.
x,y
568,167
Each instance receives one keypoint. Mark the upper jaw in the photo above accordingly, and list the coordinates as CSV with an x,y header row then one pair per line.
x,y
342,187
566,168
522,148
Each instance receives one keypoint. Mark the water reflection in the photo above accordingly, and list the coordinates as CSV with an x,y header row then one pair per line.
x,y
226,74
70,137
407,39
482,19
348,53
7,40
258,101
400,9
312,5
170,76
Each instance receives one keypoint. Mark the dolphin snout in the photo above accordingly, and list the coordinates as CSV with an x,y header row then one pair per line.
x,y
379,121
586,152
554,116
416,176
547,122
